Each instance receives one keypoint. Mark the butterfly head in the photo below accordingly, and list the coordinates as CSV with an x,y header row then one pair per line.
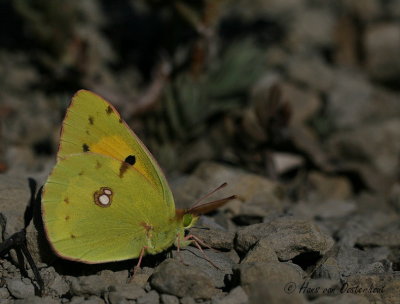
x,y
189,220
186,219
189,217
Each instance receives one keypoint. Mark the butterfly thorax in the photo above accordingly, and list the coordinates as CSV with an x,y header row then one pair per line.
x,y
164,236
186,221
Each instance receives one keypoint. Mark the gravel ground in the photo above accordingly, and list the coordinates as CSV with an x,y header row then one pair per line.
x,y
295,104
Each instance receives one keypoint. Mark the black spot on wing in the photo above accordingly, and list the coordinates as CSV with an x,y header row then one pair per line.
x,y
131,160
85,148
109,110
91,120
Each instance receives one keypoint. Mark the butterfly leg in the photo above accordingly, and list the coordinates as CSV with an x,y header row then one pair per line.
x,y
137,267
201,242
197,243
178,249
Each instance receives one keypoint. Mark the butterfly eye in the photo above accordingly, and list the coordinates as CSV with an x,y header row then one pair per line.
x,y
187,220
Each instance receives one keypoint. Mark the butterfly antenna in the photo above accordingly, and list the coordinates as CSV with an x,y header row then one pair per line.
x,y
196,203
208,207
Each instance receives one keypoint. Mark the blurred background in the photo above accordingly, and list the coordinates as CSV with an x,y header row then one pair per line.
x,y
302,92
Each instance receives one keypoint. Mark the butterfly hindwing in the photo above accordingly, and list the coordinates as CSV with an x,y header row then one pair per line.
x,y
92,216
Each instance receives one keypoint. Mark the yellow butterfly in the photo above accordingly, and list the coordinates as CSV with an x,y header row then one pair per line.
x,y
107,199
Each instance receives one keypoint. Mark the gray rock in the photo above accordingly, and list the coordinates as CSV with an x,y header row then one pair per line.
x,y
151,297
169,299
188,300
391,291
328,269
95,284
93,300
288,237
77,300
55,284
20,289
375,268
174,278
367,102
330,209
261,252
88,285
358,225
262,194
312,71
285,162
8,270
37,300
234,256
312,27
115,277
268,282
218,221
194,257
382,43
347,87
349,260
4,294
385,287
361,150
142,276
115,298
235,296
354,261
304,103
217,239
388,236
327,188
14,198
124,292
343,298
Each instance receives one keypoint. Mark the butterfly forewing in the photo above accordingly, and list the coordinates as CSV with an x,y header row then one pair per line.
x,y
93,125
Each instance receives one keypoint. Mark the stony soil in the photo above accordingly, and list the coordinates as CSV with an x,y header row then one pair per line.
x,y
296,107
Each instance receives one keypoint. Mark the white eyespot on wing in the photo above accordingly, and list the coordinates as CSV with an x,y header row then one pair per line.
x,y
103,197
